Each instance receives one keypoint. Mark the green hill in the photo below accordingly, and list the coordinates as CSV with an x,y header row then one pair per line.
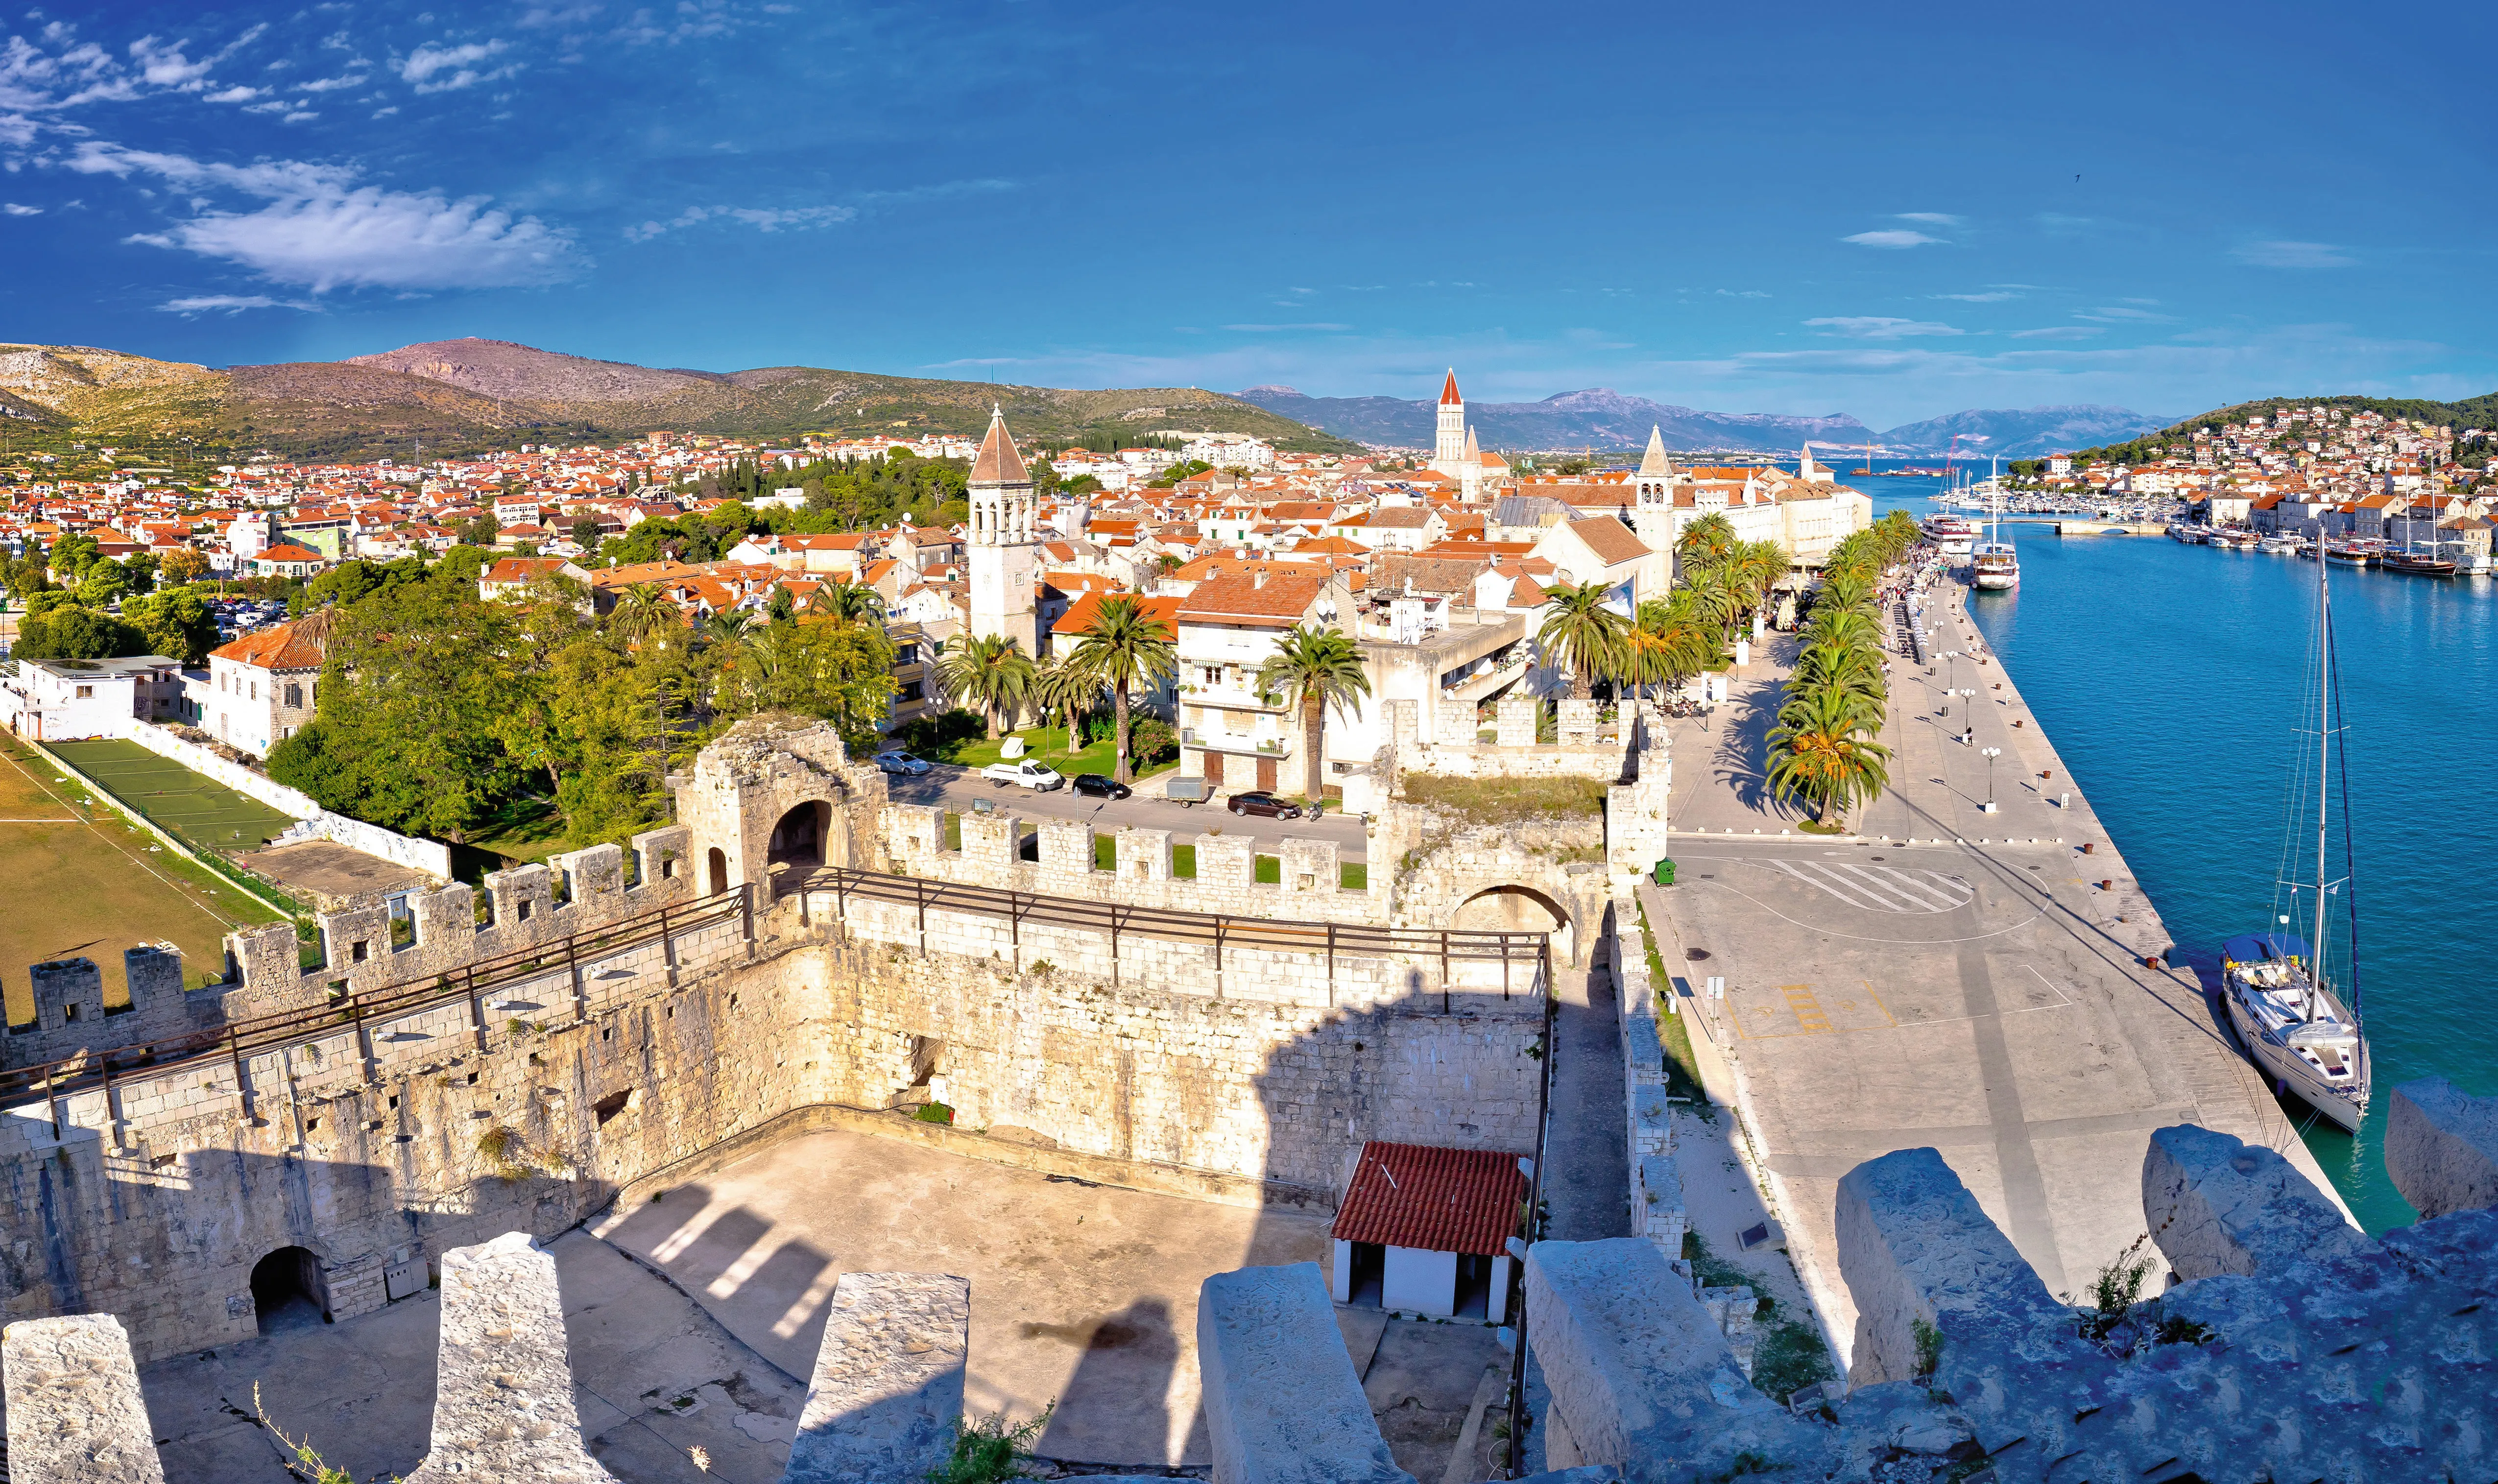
x,y
2475,412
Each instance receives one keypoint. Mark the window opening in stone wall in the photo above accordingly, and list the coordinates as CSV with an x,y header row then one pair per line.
x,y
609,1107
526,905
289,1292
562,888
632,871
718,871
1027,841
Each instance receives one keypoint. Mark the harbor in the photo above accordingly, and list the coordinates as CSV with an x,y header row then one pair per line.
x,y
1977,968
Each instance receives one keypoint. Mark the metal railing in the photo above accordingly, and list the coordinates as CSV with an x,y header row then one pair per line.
x,y
1521,956
236,1040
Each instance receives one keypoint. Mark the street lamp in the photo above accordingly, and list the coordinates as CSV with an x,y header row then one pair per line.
x,y
1967,727
1989,754
1953,655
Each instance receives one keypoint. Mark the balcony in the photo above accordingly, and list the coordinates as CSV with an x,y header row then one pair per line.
x,y
1480,683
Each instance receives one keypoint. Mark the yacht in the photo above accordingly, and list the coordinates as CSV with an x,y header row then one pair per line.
x,y
2280,997
1954,535
1994,567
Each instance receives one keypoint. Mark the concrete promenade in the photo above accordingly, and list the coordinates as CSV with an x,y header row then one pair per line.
x,y
1978,991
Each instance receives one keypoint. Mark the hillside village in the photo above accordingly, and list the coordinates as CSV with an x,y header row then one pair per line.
x,y
1440,568
2307,471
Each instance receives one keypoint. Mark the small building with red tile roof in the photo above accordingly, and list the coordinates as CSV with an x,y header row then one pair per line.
x,y
1426,1231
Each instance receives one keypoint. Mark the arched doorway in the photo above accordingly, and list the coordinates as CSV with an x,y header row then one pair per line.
x,y
1516,908
288,1290
800,836
719,870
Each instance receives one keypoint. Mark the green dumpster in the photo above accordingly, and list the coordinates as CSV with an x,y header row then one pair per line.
x,y
1665,873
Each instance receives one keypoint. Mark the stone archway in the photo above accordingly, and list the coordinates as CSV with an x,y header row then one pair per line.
x,y
1510,907
719,860
800,835
289,1290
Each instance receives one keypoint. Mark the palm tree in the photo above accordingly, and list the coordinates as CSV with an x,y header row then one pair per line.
x,y
724,625
1821,749
1716,598
1315,668
645,613
1846,627
1125,645
846,603
1580,633
1830,666
1668,643
1070,688
1758,566
991,671
1705,542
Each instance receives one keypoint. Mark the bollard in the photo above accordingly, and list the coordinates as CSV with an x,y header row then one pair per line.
x,y
2089,846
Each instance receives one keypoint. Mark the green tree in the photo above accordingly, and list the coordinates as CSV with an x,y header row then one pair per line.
x,y
105,583
1581,633
70,632
174,623
991,671
182,565
1705,542
846,602
1823,748
1315,668
1071,689
1126,646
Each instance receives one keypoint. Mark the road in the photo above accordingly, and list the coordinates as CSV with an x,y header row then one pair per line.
x,y
957,788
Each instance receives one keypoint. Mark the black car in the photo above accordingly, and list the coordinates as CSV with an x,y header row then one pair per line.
x,y
1267,804
1101,786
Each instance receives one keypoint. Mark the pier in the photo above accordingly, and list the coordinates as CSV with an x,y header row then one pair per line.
x,y
1991,982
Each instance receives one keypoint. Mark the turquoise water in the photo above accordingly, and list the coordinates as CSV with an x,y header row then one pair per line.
x,y
2170,679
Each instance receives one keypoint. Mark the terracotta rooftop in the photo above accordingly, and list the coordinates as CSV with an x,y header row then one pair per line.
x,y
279,647
1411,1195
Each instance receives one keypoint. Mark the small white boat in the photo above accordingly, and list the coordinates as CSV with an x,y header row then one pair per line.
x,y
1994,567
2280,544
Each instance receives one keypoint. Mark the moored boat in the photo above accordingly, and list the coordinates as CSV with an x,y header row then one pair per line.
x,y
2278,991
2345,554
1994,567
2417,565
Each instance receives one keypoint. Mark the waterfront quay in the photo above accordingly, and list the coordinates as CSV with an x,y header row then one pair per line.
x,y
1948,976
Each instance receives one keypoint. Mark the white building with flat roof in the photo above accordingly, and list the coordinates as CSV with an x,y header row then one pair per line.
x,y
60,700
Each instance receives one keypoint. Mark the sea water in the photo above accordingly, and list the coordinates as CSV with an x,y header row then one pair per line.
x,y
2171,679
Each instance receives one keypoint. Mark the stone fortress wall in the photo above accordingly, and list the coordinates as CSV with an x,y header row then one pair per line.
x,y
2291,1346
609,1016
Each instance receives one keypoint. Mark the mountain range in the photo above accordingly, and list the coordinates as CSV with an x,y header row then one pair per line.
x,y
1605,419
470,395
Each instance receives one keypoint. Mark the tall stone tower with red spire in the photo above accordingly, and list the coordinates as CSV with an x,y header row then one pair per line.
x,y
1448,448
1005,562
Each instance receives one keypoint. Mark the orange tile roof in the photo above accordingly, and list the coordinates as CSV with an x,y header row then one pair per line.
x,y
1412,1195
275,648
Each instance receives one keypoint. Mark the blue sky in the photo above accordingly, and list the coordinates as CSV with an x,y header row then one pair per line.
x,y
1893,211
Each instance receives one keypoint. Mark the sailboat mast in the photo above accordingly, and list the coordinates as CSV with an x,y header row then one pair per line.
x,y
2323,766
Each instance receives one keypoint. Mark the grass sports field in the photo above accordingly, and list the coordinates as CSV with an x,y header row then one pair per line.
x,y
206,813
83,882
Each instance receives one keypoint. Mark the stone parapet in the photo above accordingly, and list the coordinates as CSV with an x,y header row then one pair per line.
x,y
2216,1205
1283,1404
887,1390
503,1402
75,1414
2442,1147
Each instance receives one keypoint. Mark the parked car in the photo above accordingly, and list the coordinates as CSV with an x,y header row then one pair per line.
x,y
1100,786
896,761
1267,804
1028,773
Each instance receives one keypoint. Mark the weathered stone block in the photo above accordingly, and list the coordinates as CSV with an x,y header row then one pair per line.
x,y
504,1401
2218,1204
1282,1402
887,1390
75,1412
2442,1147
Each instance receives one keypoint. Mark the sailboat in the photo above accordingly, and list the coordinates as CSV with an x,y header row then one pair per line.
x,y
1994,566
2410,559
2281,1001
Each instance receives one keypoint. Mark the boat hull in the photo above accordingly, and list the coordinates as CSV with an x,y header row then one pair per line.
x,y
1997,582
2289,1074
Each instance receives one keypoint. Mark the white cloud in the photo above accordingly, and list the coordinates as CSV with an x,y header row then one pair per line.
x,y
300,115
1870,327
442,68
1898,236
15,210
235,94
320,231
1990,296
1930,218
2279,255
1741,294
328,84
164,66
232,304
2120,314
386,113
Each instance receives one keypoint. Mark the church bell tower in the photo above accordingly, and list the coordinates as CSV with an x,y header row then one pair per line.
x,y
1004,563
